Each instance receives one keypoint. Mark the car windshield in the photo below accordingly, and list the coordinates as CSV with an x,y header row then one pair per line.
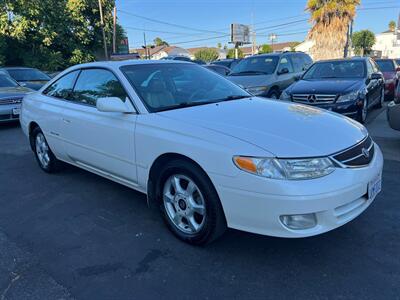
x,y
6,81
256,65
386,65
28,75
177,85
335,69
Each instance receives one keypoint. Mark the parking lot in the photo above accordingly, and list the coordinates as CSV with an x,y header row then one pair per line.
x,y
76,235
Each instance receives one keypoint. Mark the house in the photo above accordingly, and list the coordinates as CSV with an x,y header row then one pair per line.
x,y
305,46
159,52
221,52
277,47
387,43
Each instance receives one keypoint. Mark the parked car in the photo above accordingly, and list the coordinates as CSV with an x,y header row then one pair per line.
x,y
177,57
393,110
222,70
267,75
347,86
11,94
205,151
229,62
391,72
29,77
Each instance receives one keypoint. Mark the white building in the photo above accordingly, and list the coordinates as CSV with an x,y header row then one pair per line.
x,y
387,43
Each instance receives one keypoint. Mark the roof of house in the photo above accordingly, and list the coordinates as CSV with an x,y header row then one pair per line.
x,y
196,49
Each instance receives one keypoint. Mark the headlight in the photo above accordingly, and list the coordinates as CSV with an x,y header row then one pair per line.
x,y
257,90
348,97
285,96
290,169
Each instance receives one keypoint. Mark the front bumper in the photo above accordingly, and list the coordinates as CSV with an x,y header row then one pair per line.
x,y
393,115
6,113
350,109
255,204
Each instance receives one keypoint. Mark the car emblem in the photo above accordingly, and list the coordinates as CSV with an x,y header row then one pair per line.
x,y
311,98
365,152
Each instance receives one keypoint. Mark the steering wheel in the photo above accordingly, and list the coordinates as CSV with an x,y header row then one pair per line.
x,y
198,94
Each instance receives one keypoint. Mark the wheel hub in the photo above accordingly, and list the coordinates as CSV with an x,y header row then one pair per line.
x,y
182,204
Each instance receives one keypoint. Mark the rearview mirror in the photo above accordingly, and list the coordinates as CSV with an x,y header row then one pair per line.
x,y
114,104
283,71
376,76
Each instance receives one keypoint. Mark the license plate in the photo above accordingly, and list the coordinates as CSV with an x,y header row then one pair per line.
x,y
374,187
16,111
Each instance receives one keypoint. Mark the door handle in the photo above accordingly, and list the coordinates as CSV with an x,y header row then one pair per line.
x,y
66,121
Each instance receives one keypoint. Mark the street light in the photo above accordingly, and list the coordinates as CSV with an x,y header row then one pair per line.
x,y
272,37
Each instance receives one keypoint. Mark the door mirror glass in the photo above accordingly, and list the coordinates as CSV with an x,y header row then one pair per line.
x,y
283,71
376,76
113,104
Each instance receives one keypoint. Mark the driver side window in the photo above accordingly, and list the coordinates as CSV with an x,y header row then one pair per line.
x,y
285,63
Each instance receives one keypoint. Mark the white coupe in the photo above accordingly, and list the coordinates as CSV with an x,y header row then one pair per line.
x,y
209,154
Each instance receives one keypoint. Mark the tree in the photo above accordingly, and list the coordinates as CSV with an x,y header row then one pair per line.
x,y
392,25
53,34
219,45
207,54
159,42
231,53
265,49
330,19
363,41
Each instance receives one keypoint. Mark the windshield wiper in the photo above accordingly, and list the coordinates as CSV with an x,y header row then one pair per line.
x,y
248,73
233,97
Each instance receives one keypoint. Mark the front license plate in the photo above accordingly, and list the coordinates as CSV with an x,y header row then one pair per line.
x,y
374,187
16,111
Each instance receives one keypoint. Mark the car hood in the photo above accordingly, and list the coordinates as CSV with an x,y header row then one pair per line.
x,y
325,86
251,80
281,128
389,75
14,92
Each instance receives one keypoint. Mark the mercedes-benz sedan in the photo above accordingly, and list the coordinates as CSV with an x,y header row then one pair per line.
x,y
204,150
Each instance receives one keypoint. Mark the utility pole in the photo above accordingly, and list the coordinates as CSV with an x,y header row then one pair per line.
x,y
115,30
102,29
272,38
145,46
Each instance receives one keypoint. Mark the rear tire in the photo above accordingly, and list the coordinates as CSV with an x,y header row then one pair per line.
x,y
381,99
43,154
274,94
189,203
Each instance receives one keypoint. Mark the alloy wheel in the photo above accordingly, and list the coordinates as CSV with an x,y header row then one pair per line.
x,y
184,204
42,150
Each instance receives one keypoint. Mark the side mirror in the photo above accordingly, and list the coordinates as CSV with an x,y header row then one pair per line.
x,y
22,83
114,104
297,77
376,76
283,71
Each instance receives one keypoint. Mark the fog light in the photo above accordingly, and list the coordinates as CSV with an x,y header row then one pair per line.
x,y
298,222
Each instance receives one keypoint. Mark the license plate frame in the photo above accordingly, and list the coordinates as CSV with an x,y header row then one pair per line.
x,y
375,187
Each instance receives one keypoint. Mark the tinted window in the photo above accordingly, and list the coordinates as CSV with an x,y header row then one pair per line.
x,y
285,64
386,65
299,62
28,75
97,83
62,88
219,69
167,86
225,63
6,81
370,67
336,69
256,64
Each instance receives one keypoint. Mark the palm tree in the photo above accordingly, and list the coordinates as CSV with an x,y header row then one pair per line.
x,y
330,19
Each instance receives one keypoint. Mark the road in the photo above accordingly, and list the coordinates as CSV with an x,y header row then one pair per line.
x,y
74,235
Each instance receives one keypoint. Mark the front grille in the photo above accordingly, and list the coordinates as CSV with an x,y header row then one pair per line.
x,y
314,98
358,155
7,101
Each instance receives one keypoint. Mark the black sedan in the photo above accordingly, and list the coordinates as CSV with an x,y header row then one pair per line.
x,y
347,86
28,77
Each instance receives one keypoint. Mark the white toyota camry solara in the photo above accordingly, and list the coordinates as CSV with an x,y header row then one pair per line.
x,y
206,152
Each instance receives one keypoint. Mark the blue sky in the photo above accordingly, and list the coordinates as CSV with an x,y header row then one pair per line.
x,y
205,22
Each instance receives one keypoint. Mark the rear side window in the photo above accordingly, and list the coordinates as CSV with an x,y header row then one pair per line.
x,y
62,88
93,84
285,64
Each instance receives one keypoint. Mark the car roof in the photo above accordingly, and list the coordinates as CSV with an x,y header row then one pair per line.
x,y
117,64
344,59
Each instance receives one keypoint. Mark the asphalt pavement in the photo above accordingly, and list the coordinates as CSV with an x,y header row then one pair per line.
x,y
74,235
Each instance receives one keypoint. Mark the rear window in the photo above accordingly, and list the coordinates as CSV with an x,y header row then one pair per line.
x,y
28,75
386,65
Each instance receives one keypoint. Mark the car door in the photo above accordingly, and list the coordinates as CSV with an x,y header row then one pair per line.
x,y
373,85
51,104
285,73
95,140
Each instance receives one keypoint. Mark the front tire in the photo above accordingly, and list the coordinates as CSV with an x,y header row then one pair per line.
x,y
43,154
363,112
382,99
274,94
189,203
